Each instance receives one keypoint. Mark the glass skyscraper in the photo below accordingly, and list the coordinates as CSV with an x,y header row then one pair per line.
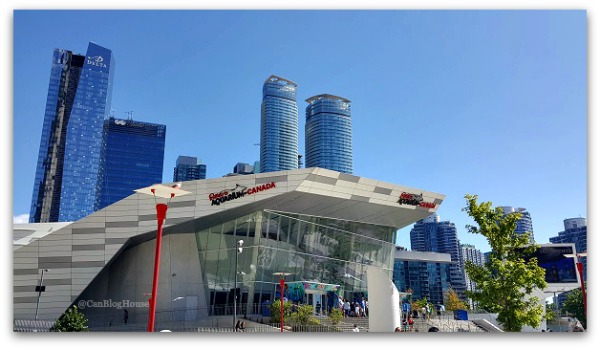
x,y
133,155
328,136
524,224
432,235
424,274
470,253
278,126
68,174
188,168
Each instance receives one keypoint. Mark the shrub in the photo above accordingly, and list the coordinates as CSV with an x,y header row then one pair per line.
x,y
71,321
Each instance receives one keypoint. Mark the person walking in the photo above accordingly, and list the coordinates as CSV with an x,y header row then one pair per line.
x,y
363,306
346,308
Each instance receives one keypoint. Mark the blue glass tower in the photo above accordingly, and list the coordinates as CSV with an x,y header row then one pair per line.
x,y
133,155
427,274
432,235
328,135
278,126
68,174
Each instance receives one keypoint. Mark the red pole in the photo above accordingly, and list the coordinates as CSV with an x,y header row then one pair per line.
x,y
281,283
161,213
580,270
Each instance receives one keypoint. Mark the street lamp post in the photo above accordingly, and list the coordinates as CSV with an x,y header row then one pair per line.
x,y
237,252
41,288
281,285
166,192
579,266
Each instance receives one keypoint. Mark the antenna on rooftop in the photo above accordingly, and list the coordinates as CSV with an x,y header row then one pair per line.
x,y
129,115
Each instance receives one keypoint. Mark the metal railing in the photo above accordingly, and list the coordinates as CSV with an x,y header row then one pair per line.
x,y
22,325
445,322
220,319
200,319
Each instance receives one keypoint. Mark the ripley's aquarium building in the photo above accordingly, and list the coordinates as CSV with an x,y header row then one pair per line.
x,y
321,227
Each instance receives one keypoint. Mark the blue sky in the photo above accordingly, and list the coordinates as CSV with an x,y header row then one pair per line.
x,y
492,103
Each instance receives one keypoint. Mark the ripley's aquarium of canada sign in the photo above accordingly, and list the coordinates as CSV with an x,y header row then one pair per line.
x,y
414,200
238,192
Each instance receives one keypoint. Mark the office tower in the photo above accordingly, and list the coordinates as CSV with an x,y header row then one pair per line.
x,y
426,274
328,133
432,235
188,168
68,173
470,253
133,155
524,224
575,232
278,126
240,169
243,168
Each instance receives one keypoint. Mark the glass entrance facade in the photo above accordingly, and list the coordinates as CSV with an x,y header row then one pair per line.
x,y
331,255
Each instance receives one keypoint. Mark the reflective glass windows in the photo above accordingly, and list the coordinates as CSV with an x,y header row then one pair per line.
x,y
133,158
64,81
424,278
82,165
310,249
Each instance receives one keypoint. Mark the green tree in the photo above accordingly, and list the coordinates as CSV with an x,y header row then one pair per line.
x,y
506,282
335,316
275,309
71,321
551,312
453,302
304,316
574,305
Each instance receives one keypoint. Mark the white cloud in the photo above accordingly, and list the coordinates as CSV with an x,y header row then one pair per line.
x,y
22,218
